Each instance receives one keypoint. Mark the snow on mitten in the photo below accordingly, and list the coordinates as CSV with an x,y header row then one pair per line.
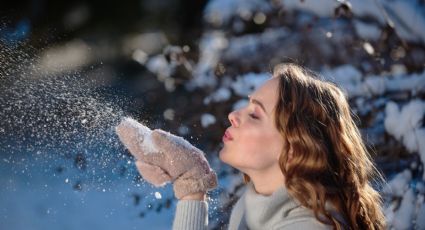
x,y
163,157
135,137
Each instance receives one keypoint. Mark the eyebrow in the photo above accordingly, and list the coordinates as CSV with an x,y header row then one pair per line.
x,y
257,102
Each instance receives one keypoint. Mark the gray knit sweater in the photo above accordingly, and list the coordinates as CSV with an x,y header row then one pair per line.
x,y
252,211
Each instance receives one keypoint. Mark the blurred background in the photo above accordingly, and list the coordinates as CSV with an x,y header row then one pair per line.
x,y
69,72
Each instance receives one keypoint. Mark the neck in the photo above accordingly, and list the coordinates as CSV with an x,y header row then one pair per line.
x,y
267,181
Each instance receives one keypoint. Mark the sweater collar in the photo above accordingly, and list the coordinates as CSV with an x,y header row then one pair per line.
x,y
259,209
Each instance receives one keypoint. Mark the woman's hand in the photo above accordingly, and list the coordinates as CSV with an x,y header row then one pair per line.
x,y
168,158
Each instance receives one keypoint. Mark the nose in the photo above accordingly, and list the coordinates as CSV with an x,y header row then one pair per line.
x,y
233,118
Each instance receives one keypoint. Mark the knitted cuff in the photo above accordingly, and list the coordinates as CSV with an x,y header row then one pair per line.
x,y
186,186
191,215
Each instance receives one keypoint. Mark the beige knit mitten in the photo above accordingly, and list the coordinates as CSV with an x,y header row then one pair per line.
x,y
163,157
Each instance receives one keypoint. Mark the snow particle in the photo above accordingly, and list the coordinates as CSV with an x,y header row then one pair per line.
x,y
169,114
207,120
328,34
259,18
186,48
368,48
158,195
183,130
140,56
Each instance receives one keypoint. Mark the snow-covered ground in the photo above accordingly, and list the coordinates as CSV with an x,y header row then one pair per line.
x,y
34,195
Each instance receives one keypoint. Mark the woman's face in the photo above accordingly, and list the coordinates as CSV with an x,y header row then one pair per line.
x,y
252,142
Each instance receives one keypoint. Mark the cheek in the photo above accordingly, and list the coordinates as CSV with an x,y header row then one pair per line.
x,y
262,143
264,151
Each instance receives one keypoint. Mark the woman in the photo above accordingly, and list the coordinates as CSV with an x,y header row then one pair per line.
x,y
302,156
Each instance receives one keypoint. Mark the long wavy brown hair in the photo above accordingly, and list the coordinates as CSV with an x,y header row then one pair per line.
x,y
330,162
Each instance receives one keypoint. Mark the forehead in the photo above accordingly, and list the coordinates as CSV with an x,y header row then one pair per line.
x,y
267,93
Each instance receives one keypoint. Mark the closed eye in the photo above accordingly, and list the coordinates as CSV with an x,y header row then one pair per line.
x,y
253,116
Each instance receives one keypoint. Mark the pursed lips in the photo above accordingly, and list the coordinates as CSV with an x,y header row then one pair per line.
x,y
227,136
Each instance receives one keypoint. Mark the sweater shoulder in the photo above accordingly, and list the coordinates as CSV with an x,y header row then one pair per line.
x,y
301,218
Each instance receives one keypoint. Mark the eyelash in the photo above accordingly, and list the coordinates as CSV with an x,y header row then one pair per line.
x,y
253,116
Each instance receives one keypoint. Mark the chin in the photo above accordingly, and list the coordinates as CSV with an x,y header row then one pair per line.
x,y
222,156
